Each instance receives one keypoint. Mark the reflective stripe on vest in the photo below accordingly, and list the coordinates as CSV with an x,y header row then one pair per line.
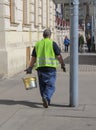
x,y
47,61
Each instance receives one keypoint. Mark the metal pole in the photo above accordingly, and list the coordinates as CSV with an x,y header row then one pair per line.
x,y
94,2
74,54
92,33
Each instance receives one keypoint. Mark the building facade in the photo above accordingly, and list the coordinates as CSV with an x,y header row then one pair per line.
x,y
62,25
21,25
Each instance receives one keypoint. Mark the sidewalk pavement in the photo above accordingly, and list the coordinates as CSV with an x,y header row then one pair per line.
x,y
87,61
22,109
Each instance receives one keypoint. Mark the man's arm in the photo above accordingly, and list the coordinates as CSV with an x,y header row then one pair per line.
x,y
33,58
32,61
57,52
60,59
59,56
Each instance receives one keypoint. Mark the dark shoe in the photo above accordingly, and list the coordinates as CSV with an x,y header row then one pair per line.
x,y
45,102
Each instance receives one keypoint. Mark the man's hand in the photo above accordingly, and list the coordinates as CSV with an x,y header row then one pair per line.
x,y
63,67
28,70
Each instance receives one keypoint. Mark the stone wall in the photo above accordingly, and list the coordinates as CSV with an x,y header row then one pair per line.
x,y
21,25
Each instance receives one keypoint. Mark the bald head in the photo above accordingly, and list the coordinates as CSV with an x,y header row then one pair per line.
x,y
47,33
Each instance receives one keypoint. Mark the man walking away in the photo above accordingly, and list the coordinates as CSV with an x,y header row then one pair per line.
x,y
45,55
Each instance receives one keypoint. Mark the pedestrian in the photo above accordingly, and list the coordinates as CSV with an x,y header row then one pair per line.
x,y
88,39
81,42
45,56
66,43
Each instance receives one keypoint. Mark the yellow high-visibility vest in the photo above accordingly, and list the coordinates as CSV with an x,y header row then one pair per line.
x,y
45,54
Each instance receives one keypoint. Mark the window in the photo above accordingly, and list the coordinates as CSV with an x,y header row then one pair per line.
x,y
44,13
26,13
47,22
36,13
13,11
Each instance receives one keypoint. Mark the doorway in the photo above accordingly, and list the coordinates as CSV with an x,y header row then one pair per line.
x,y
27,56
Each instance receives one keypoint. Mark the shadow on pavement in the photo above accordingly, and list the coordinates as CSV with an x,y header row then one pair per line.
x,y
83,60
27,103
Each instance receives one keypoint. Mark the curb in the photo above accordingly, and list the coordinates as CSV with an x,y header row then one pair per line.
x,y
84,68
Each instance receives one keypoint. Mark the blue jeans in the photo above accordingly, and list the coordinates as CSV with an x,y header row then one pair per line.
x,y
47,84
